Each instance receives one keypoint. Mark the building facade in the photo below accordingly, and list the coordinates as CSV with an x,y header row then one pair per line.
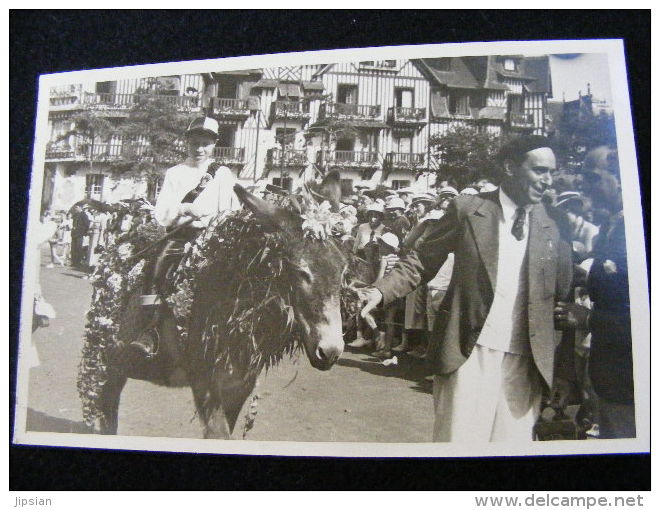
x,y
372,120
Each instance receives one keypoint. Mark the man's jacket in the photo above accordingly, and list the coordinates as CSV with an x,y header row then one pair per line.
x,y
470,230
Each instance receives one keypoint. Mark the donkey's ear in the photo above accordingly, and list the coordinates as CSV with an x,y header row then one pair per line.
x,y
273,216
331,188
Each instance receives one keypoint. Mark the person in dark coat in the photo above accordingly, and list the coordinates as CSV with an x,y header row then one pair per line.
x,y
79,229
610,363
493,348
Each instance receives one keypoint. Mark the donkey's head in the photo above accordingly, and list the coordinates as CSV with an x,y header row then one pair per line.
x,y
313,267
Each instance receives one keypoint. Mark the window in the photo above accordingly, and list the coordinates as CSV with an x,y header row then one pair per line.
x,y
404,98
94,186
228,89
168,85
399,184
459,103
346,187
226,135
515,103
106,91
509,64
345,144
283,182
106,87
403,144
347,94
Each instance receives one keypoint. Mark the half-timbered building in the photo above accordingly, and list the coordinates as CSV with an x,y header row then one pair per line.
x,y
372,120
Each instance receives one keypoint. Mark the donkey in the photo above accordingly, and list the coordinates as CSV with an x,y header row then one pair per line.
x,y
243,319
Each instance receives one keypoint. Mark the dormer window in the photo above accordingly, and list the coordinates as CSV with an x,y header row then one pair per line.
x,y
509,64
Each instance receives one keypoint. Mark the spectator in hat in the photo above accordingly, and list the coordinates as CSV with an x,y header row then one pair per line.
x,y
388,249
368,231
397,222
364,201
193,193
406,195
421,204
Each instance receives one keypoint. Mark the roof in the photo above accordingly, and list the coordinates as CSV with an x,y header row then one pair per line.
x,y
458,76
539,69
491,80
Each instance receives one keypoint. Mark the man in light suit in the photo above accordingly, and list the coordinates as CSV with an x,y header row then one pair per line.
x,y
493,348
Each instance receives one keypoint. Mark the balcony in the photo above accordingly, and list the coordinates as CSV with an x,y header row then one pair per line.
x,y
350,160
63,100
287,158
402,116
381,65
83,151
61,151
228,108
290,111
521,120
407,161
229,155
349,112
108,101
404,160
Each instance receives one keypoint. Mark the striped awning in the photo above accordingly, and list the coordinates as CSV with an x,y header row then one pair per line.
x,y
312,85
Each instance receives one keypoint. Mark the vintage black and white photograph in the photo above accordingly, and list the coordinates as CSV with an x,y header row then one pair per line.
x,y
408,251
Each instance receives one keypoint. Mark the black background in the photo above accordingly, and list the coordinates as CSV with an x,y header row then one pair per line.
x,y
55,41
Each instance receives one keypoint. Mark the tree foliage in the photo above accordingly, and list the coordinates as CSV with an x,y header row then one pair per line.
x,y
464,154
152,136
577,134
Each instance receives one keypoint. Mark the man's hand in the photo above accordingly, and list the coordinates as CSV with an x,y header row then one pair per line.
x,y
370,297
571,316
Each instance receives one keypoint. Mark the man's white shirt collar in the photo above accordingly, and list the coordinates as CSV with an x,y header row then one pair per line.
x,y
509,206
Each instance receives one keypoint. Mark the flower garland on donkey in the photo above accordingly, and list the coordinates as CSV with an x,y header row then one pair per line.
x,y
255,286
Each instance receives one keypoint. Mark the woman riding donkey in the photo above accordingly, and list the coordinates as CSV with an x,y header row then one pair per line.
x,y
193,193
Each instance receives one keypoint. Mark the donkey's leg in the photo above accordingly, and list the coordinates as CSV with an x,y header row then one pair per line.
x,y
209,410
109,402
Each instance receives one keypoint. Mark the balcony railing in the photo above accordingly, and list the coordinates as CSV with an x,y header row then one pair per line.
x,y
287,158
379,64
404,160
228,107
85,151
290,110
349,159
59,151
125,101
229,155
404,115
521,120
63,100
341,111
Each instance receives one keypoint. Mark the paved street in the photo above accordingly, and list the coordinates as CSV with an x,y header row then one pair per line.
x,y
358,400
